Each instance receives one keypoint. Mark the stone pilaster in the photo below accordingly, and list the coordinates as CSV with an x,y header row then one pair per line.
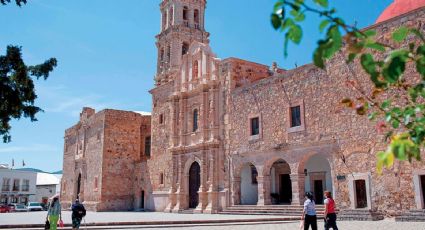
x,y
236,191
298,188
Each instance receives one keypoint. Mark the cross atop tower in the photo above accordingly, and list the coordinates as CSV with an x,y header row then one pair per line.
x,y
182,22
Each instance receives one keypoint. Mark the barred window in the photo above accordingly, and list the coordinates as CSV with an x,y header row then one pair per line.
x,y
295,116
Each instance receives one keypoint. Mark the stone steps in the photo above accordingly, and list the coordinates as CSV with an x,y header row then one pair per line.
x,y
359,215
294,211
412,216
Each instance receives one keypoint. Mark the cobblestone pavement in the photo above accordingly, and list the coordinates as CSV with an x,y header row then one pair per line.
x,y
39,217
96,217
345,225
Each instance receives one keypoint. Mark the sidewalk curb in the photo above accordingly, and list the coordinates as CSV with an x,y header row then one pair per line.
x,y
177,222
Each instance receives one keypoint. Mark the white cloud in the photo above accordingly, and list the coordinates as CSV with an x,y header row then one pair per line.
x,y
29,148
57,99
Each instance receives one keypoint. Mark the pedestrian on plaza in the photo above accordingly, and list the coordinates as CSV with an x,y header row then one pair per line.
x,y
54,213
330,215
78,212
309,213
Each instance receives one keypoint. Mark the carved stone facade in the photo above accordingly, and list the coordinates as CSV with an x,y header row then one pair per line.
x,y
229,132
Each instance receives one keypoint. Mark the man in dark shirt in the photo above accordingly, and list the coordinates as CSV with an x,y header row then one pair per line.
x,y
78,212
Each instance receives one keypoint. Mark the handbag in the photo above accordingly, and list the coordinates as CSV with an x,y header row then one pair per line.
x,y
301,224
61,224
47,225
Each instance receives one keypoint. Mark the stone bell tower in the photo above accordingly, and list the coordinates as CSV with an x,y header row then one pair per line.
x,y
182,22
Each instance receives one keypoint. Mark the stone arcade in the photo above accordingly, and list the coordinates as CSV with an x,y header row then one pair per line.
x,y
233,132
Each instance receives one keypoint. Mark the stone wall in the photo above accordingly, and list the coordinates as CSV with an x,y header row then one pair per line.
x,y
106,150
348,141
160,160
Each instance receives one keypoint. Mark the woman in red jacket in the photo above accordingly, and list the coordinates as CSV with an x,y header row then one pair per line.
x,y
330,215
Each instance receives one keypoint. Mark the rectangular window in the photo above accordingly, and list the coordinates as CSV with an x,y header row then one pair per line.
x,y
161,178
26,185
161,119
295,116
15,185
95,183
24,200
14,200
6,184
148,146
255,126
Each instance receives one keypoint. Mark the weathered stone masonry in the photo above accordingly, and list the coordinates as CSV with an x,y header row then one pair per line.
x,y
233,132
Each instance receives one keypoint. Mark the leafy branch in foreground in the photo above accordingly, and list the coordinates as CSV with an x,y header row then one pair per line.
x,y
18,2
17,93
402,113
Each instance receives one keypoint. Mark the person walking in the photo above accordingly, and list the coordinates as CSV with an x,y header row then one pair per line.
x,y
309,213
330,215
78,212
54,213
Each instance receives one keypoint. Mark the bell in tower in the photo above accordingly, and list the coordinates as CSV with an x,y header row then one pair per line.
x,y
182,22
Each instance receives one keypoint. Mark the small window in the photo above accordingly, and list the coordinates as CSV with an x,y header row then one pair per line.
x,y
15,185
161,119
148,146
185,13
296,116
96,183
185,48
164,20
195,120
169,54
170,16
26,186
195,71
6,184
161,55
161,178
196,16
254,175
255,126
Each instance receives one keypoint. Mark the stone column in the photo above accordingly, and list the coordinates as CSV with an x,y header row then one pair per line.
x,y
298,188
236,191
263,190
213,188
179,193
203,196
173,189
181,120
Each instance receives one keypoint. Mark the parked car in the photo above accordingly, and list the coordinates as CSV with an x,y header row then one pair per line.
x,y
34,206
11,207
5,208
19,208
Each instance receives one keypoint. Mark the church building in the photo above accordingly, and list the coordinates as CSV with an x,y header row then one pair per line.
x,y
227,135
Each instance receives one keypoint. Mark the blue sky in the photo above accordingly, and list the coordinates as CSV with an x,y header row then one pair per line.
x,y
107,57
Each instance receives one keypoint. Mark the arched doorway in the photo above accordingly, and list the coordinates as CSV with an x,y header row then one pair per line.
x,y
280,183
318,177
249,185
142,199
194,184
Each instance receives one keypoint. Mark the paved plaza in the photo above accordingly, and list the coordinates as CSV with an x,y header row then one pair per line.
x,y
352,225
107,217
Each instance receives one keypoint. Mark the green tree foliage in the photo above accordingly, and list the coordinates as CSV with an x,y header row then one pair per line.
x,y
17,94
18,2
401,114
